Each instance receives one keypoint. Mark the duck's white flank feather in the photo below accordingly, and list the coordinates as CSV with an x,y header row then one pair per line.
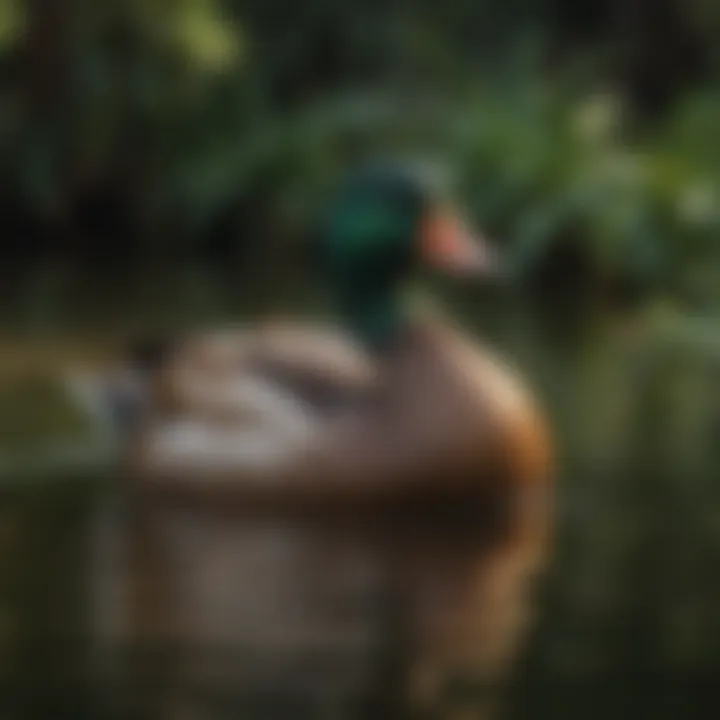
x,y
274,427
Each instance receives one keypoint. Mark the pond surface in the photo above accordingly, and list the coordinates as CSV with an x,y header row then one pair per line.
x,y
629,621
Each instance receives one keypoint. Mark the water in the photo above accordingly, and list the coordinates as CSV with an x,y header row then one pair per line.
x,y
629,622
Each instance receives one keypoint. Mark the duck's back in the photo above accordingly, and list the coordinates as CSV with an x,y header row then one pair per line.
x,y
315,366
318,363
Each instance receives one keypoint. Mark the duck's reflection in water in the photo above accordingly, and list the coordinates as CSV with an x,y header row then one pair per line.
x,y
203,613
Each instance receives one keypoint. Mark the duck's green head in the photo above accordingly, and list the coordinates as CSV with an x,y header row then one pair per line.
x,y
385,223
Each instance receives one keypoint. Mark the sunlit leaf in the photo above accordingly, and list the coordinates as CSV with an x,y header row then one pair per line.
x,y
12,22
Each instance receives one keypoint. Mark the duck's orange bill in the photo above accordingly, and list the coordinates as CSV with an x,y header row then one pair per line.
x,y
448,245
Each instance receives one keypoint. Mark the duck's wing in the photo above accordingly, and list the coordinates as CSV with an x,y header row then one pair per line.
x,y
312,365
256,398
374,449
320,366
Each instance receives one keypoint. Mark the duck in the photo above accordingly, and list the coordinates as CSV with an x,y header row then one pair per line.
x,y
392,417
395,401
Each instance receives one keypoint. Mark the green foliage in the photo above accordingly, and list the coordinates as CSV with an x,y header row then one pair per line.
x,y
12,22
198,120
36,410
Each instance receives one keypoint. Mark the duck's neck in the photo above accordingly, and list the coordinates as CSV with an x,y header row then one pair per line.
x,y
377,320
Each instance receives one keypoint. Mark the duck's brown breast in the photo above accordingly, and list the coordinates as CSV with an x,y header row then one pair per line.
x,y
485,422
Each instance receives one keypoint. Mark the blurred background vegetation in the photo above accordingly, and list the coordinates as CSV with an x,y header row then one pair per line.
x,y
160,159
